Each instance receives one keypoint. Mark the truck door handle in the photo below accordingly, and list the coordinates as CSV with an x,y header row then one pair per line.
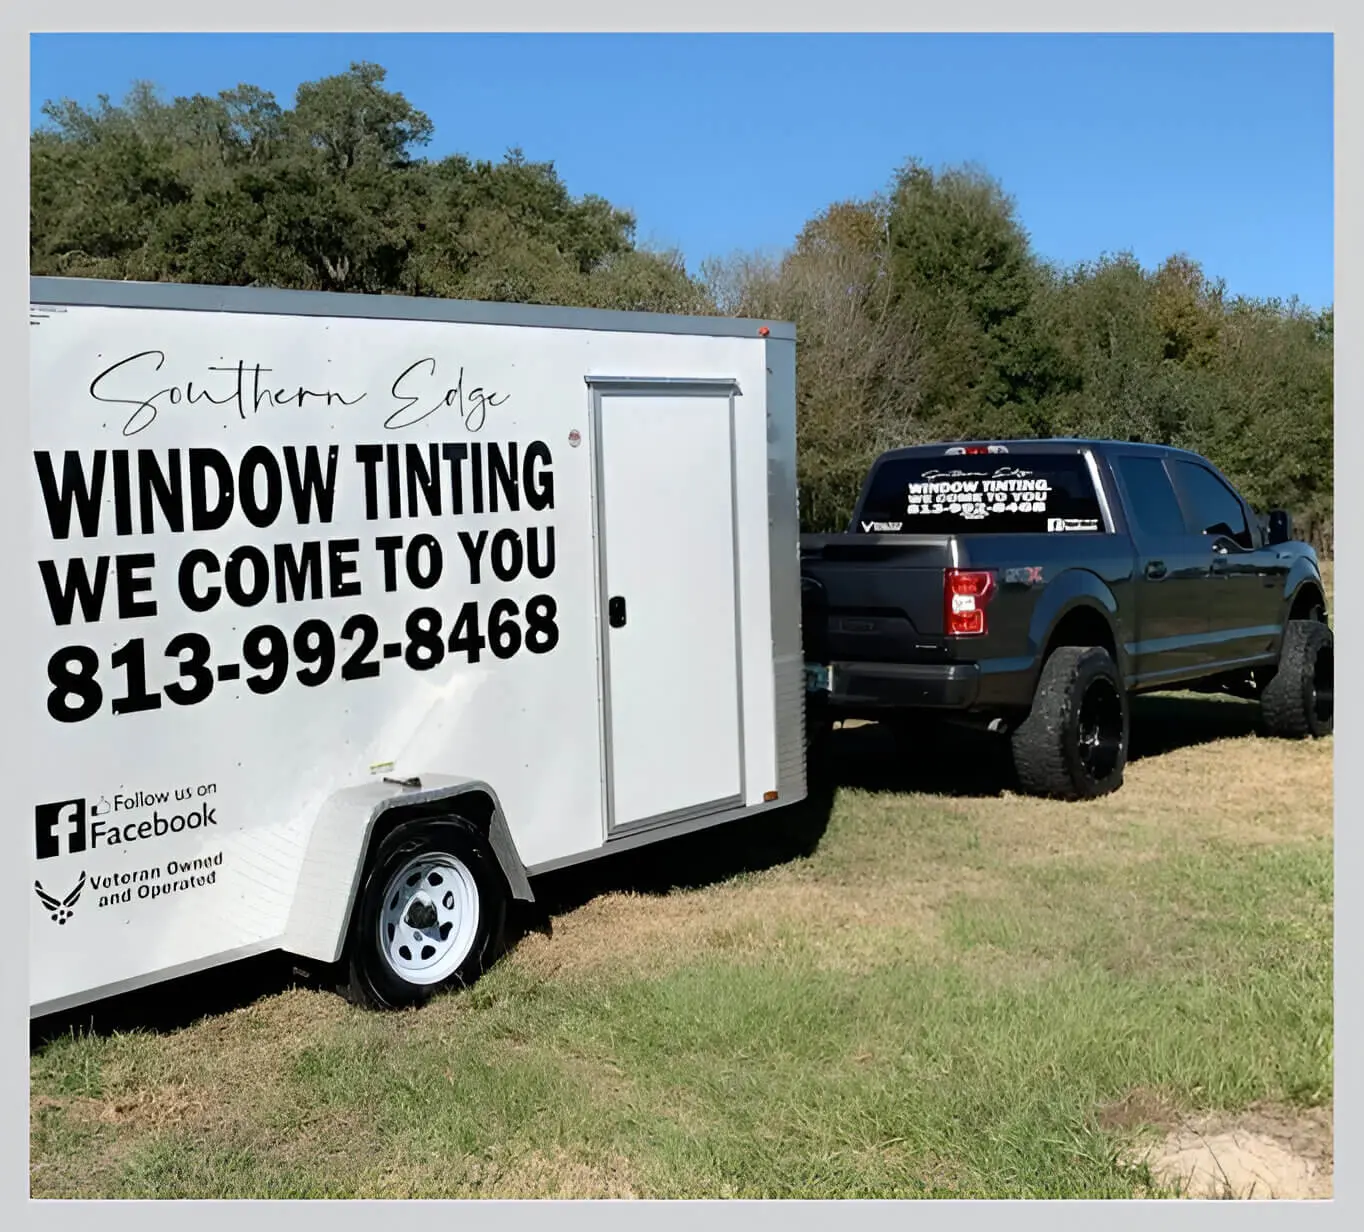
x,y
615,611
1155,570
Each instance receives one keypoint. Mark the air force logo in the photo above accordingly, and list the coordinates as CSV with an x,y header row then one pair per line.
x,y
60,911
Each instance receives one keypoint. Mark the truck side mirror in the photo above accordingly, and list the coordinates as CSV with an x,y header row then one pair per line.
x,y
1280,526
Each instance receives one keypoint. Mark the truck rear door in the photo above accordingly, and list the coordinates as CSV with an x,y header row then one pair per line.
x,y
1171,618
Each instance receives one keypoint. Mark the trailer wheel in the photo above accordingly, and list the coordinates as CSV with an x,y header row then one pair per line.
x,y
431,915
1300,700
1073,744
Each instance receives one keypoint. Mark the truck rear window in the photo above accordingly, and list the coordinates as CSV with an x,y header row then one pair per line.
x,y
984,494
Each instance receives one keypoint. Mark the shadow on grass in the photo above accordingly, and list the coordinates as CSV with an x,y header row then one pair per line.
x,y
174,1004
939,759
1165,722
694,861
943,759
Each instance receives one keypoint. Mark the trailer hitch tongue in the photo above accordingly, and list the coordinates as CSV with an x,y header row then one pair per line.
x,y
421,915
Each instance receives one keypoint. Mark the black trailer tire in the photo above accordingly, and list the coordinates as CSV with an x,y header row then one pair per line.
x,y
431,915
1299,702
1073,744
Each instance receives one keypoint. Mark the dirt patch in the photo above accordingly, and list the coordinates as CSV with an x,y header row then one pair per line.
x,y
1137,1110
1260,1153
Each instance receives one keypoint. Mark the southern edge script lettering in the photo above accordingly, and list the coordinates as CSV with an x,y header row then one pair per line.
x,y
249,387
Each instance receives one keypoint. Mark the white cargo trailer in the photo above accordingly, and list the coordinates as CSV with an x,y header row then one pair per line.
x,y
351,614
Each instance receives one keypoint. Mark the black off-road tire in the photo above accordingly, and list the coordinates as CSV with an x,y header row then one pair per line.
x,y
1299,702
369,979
1055,751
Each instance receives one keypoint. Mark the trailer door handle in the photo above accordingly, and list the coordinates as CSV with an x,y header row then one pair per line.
x,y
1155,570
615,611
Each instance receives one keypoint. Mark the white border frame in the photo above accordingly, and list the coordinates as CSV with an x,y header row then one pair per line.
x,y
1344,17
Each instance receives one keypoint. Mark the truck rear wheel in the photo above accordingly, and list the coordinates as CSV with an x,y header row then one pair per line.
x,y
431,915
1073,744
1299,701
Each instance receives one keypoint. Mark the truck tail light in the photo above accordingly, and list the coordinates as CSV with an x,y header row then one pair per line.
x,y
966,593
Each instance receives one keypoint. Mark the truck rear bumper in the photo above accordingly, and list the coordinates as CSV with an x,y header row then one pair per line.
x,y
893,686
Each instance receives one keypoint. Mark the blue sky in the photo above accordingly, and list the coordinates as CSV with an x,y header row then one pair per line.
x,y
1215,145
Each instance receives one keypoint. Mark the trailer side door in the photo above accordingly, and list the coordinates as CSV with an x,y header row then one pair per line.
x,y
667,559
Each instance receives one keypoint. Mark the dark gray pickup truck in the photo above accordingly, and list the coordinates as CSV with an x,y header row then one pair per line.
x,y
1033,587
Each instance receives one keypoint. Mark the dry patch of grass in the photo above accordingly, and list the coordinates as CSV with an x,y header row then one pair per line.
x,y
900,860
557,1173
1246,790
845,926
554,1174
222,1077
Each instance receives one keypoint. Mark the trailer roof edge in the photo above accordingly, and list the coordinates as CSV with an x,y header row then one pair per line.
x,y
54,292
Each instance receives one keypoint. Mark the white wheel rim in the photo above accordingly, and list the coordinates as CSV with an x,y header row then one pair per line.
x,y
429,918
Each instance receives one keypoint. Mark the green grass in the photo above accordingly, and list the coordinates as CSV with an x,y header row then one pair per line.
x,y
941,999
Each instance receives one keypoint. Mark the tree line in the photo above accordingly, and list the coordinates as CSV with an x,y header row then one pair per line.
x,y
923,313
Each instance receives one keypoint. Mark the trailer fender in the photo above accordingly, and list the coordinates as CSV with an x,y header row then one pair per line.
x,y
339,845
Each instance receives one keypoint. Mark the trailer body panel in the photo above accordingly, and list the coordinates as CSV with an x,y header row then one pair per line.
x,y
301,561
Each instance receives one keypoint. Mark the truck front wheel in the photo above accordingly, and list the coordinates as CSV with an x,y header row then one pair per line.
x,y
1300,700
431,915
1073,744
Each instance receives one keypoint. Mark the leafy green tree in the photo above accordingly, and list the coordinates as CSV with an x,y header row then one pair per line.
x,y
330,194
925,315
857,359
964,274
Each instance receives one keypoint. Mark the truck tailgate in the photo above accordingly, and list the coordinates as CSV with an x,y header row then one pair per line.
x,y
858,604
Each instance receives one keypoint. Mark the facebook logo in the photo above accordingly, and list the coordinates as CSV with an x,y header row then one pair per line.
x,y
54,823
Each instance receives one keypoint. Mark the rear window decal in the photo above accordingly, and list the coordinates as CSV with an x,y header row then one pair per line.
x,y
1037,494
978,494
